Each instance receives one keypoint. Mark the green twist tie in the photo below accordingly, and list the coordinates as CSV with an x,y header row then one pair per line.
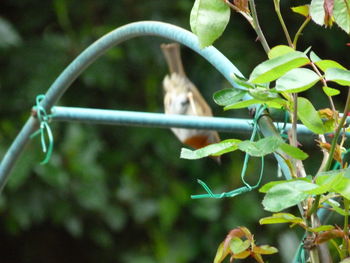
x,y
247,187
44,130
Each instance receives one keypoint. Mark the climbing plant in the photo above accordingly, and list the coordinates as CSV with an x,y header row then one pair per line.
x,y
279,82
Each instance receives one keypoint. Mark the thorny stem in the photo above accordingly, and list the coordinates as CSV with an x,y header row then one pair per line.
x,y
284,27
257,27
298,33
337,132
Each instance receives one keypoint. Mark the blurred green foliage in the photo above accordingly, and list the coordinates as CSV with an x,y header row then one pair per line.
x,y
120,194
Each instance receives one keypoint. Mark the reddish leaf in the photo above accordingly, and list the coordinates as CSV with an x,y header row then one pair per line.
x,y
328,8
242,5
327,235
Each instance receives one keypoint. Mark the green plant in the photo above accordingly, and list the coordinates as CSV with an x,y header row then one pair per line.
x,y
277,83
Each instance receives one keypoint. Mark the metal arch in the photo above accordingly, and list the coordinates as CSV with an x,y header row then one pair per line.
x,y
94,51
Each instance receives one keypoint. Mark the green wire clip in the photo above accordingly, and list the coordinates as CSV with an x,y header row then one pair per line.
x,y
247,187
44,129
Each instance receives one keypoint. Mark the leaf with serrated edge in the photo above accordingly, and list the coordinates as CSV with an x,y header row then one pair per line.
x,y
266,187
263,94
297,80
237,245
340,76
309,116
242,81
272,69
215,149
286,195
325,183
293,151
317,11
262,147
226,97
341,14
208,20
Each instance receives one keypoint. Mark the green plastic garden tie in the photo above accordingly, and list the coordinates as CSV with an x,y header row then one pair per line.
x,y
247,187
44,129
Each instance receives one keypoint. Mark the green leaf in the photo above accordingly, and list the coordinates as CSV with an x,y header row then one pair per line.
x,y
265,250
341,14
263,94
262,147
242,81
280,218
324,186
336,208
314,58
302,10
343,187
346,260
265,188
288,194
215,149
237,245
335,181
340,76
226,97
274,103
272,69
309,116
330,91
317,11
268,186
327,63
321,228
221,253
297,80
208,20
279,50
293,151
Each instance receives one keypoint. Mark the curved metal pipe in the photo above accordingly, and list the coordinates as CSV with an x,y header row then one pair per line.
x,y
94,51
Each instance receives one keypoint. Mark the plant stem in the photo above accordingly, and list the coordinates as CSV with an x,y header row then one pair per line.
x,y
257,27
314,207
284,27
294,120
337,132
297,35
324,82
345,245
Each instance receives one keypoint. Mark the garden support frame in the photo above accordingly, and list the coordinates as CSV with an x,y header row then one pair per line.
x,y
98,48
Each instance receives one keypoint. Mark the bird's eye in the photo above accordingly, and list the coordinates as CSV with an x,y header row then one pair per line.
x,y
184,102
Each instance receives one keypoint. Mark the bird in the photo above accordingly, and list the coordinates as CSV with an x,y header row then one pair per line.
x,y
181,96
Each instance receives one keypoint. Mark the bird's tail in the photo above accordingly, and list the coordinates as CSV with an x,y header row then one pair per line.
x,y
173,58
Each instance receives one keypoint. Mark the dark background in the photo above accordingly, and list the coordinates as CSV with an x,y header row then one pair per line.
x,y
121,194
